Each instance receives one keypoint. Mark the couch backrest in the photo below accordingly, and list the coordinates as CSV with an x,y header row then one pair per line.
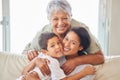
x,y
11,65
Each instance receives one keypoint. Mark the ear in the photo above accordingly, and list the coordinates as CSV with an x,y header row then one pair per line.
x,y
44,51
80,48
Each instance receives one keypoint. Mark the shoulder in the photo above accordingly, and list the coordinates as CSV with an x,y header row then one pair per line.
x,y
47,28
75,23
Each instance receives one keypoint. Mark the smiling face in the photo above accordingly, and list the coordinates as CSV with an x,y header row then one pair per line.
x,y
54,47
71,44
60,22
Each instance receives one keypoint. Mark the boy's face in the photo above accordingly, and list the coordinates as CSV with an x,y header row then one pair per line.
x,y
54,47
71,44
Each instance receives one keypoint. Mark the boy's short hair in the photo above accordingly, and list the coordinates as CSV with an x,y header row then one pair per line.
x,y
43,39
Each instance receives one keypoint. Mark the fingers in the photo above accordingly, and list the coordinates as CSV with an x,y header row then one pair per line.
x,y
31,76
67,70
90,69
42,64
45,68
23,78
32,54
94,70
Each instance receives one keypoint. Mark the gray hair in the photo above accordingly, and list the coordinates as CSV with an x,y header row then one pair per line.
x,y
58,5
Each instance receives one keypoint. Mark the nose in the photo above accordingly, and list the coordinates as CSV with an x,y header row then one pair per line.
x,y
66,44
60,22
57,46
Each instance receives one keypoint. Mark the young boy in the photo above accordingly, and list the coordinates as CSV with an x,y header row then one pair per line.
x,y
52,49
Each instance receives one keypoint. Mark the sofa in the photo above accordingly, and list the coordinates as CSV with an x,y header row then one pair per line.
x,y
11,66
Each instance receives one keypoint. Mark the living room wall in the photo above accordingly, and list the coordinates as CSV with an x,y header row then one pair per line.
x,y
114,29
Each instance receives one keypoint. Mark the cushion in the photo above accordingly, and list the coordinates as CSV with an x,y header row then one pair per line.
x,y
11,65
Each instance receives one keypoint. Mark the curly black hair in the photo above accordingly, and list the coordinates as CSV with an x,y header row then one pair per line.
x,y
43,39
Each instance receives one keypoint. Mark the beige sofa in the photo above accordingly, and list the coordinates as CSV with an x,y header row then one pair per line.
x,y
11,66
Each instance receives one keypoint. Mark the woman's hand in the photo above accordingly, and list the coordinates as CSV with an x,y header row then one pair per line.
x,y
32,54
42,64
89,70
68,66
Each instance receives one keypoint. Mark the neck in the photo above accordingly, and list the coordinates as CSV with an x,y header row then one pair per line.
x,y
61,36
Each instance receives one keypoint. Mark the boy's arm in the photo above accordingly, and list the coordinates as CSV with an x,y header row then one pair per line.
x,y
29,67
40,63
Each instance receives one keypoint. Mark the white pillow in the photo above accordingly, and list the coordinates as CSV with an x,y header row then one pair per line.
x,y
11,65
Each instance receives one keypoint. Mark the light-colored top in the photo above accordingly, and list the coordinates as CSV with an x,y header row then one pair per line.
x,y
62,60
94,46
56,72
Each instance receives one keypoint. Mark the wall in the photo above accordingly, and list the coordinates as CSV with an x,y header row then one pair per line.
x,y
114,30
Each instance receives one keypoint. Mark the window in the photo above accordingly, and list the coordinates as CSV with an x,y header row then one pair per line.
x,y
27,17
1,38
1,26
86,11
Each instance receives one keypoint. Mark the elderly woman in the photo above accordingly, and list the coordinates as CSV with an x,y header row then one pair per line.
x,y
60,17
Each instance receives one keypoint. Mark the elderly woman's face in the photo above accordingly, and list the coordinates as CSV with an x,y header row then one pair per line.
x,y
60,22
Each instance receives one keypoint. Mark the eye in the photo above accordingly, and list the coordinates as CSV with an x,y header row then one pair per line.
x,y
55,19
73,42
52,46
65,18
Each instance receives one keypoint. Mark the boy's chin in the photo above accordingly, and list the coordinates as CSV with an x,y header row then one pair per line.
x,y
58,56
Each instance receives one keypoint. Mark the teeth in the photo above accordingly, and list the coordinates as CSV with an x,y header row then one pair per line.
x,y
59,51
60,27
66,49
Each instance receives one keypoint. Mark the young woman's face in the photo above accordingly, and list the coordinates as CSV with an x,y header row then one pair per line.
x,y
60,22
54,47
71,44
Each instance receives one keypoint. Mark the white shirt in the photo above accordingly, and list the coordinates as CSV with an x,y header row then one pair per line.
x,y
62,60
56,72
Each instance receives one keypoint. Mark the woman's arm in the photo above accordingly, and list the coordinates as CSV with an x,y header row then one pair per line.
x,y
93,59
